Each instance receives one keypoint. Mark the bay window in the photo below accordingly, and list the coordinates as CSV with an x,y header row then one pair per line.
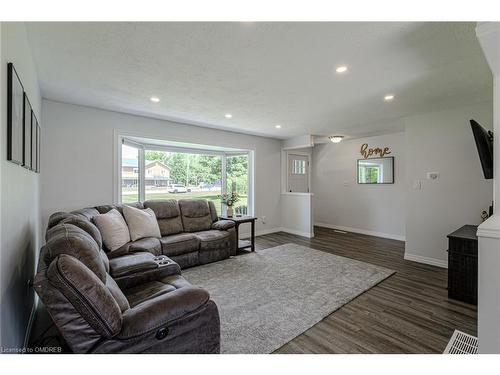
x,y
151,170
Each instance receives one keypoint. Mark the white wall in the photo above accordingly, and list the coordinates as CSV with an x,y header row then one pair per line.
x,y
78,157
296,214
442,142
340,202
20,224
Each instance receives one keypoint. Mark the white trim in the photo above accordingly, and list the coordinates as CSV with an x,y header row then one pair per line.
x,y
490,228
263,232
296,193
431,261
30,322
363,231
297,232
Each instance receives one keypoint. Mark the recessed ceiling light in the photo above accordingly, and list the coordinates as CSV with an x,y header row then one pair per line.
x,y
228,115
388,97
336,138
341,69
277,126
154,99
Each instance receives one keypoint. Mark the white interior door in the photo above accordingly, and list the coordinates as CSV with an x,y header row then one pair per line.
x,y
298,173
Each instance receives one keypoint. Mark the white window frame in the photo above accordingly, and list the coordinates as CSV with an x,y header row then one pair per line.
x,y
142,147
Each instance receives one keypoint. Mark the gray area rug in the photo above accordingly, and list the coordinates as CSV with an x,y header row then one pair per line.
x,y
269,297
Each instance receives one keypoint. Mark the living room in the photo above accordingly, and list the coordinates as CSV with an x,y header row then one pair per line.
x,y
250,187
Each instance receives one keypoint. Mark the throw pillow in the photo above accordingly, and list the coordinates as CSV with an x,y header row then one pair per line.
x,y
113,228
141,223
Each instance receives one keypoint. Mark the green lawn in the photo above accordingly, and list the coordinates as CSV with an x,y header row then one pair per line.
x,y
211,196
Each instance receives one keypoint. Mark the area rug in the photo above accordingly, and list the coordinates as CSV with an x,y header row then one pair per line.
x,y
269,297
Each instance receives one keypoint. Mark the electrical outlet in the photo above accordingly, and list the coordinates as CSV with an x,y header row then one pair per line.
x,y
263,218
417,185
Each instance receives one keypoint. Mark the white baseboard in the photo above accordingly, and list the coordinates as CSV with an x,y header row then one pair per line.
x,y
297,232
263,232
362,231
431,261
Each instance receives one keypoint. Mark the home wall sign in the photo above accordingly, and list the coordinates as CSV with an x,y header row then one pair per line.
x,y
377,151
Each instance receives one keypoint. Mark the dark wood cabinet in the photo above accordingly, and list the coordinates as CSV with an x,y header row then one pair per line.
x,y
462,264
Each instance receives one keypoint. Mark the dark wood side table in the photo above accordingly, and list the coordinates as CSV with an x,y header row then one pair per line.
x,y
462,264
238,220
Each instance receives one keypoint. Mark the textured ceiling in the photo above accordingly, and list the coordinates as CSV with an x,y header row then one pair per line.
x,y
264,73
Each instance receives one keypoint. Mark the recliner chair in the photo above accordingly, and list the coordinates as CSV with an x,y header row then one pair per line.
x,y
149,308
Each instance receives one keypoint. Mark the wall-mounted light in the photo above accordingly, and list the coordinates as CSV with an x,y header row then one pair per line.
x,y
336,138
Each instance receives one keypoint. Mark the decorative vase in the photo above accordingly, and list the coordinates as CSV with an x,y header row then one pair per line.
x,y
229,211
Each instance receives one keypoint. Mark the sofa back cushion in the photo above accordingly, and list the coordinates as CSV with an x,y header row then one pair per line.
x,y
213,211
72,240
86,213
167,214
195,215
141,223
113,228
87,293
119,207
86,225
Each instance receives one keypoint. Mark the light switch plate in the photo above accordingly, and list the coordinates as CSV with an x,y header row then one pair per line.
x,y
417,185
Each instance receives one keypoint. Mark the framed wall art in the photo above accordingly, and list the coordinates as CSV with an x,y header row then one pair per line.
x,y
15,116
28,144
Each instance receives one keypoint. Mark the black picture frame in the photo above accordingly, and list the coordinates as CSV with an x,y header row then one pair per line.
x,y
38,146
27,133
34,142
15,116
376,183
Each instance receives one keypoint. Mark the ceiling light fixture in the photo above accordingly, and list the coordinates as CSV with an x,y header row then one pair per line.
x,y
341,69
228,115
155,99
388,97
277,126
336,138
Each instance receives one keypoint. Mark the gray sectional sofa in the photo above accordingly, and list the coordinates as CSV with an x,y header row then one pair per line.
x,y
134,299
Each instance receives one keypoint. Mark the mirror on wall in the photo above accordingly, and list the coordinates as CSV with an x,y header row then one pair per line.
x,y
376,171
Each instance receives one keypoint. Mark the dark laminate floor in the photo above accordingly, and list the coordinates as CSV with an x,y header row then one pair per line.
x,y
407,313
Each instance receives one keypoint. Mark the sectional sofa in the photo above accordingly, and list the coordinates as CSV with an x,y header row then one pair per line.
x,y
134,298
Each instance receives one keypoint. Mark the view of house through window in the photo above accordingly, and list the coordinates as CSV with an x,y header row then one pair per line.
x,y
183,175
178,175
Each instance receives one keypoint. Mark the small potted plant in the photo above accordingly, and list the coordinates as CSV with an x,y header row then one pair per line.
x,y
229,200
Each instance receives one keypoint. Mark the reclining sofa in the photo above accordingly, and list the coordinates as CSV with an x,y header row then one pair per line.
x,y
134,299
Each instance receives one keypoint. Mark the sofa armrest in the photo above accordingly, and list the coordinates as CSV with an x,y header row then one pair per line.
x,y
158,312
223,224
138,268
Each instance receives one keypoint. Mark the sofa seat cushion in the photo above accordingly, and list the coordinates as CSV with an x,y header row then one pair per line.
x,y
213,239
153,289
178,244
150,244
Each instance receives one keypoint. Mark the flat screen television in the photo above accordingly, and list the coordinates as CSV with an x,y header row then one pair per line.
x,y
484,144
